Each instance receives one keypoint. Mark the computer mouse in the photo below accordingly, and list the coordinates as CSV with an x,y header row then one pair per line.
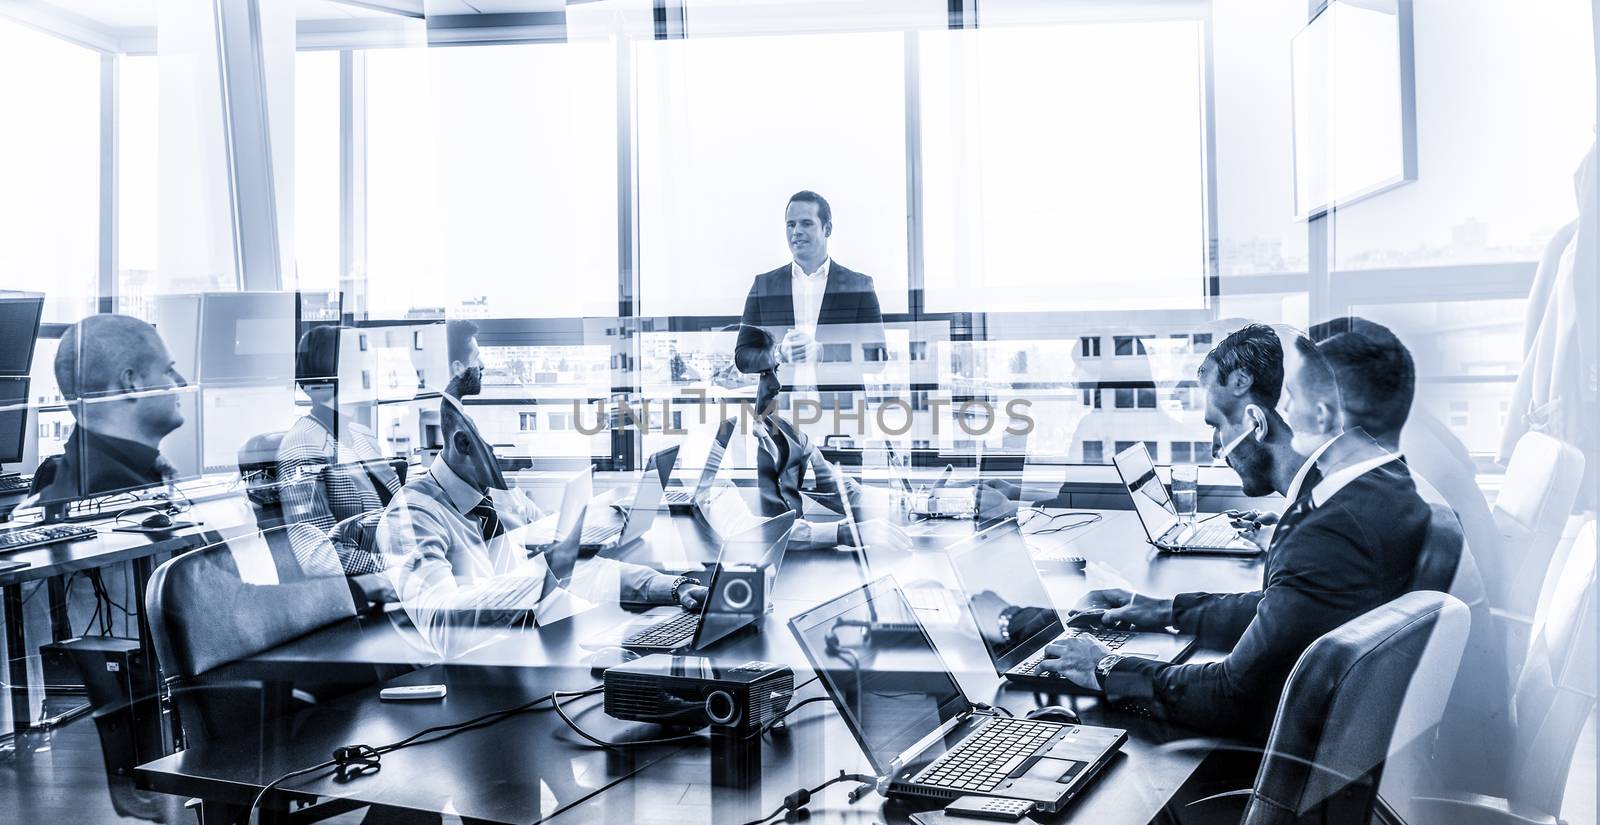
x,y
1054,713
608,657
156,521
1085,618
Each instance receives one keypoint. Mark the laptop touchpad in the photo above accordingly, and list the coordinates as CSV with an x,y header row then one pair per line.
x,y
1054,770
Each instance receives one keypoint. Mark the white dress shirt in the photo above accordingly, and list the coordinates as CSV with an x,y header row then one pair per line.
x,y
1293,494
809,289
442,569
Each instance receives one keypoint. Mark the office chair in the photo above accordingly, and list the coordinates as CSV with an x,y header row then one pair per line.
x,y
1373,684
1540,488
1555,695
204,616
258,467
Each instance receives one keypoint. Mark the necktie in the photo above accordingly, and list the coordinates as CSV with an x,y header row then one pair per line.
x,y
1313,476
488,519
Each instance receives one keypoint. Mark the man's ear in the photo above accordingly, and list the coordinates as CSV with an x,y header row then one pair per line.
x,y
827,229
1240,382
457,368
128,383
462,442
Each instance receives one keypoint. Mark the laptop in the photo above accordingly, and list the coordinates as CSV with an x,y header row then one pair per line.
x,y
1004,591
637,515
924,738
761,548
1153,503
509,599
574,501
708,473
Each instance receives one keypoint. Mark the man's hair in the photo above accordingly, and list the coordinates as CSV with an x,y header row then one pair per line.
x,y
1255,349
460,334
1316,375
1376,374
316,358
94,351
824,211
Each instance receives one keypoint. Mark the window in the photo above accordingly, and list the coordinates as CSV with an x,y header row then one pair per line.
x,y
919,350
1126,345
50,170
1094,452
1089,346
835,353
488,168
1091,397
1147,398
1004,176
1122,398
1460,416
702,244
528,422
1123,445
1180,453
1202,342
138,168
316,170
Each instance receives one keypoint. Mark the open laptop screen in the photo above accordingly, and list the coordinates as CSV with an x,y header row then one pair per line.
x,y
880,668
1150,496
1008,599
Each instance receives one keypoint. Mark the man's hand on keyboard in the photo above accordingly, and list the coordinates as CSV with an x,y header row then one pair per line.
x,y
1074,658
691,596
1125,610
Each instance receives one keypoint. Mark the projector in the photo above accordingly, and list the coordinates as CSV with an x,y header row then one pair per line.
x,y
692,691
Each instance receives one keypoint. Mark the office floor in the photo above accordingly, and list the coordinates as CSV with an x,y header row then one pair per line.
x,y
61,779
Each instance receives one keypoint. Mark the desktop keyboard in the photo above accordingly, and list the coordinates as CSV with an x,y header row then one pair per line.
x,y
679,498
672,633
1113,639
21,538
983,760
14,484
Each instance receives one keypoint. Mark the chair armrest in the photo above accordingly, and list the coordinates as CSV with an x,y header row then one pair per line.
x,y
1476,809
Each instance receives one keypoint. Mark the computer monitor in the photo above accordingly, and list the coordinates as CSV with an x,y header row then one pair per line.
x,y
246,337
13,418
231,416
19,328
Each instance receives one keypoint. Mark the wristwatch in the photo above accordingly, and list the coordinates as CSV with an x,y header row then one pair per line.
x,y
1103,669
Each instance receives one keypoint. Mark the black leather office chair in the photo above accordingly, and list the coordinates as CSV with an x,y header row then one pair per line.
x,y
204,616
1441,552
1377,681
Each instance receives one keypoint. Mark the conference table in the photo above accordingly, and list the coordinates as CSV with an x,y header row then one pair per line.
x,y
531,767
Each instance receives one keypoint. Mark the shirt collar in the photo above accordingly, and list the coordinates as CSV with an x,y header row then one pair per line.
x,y
1336,481
801,274
463,496
1293,494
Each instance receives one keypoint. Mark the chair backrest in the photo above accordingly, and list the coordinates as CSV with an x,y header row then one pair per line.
x,y
1556,690
1540,487
204,615
1378,679
1441,552
258,466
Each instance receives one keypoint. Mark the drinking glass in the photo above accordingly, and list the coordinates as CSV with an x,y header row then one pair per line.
x,y
1185,491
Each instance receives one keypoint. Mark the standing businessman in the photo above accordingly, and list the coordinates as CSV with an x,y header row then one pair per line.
x,y
819,312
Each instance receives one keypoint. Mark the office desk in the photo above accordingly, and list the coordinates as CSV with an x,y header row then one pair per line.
x,y
494,773
217,518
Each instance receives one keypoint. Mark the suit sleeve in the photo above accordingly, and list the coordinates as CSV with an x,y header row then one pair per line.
x,y
1319,586
1217,620
870,319
749,356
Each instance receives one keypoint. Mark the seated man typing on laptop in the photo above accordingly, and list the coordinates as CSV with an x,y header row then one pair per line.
x,y
453,554
1348,543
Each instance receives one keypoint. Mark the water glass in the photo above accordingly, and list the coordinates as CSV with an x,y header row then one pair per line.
x,y
1185,491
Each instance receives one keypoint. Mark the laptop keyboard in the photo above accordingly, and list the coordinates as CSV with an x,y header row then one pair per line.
x,y
1214,533
1113,639
672,633
600,533
679,497
983,760
509,593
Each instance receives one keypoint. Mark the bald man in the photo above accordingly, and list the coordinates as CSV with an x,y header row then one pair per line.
x,y
120,383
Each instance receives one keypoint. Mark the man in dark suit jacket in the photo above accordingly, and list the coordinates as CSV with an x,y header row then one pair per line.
x,y
1346,545
811,303
122,386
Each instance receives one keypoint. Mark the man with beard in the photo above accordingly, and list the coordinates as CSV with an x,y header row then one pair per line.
x,y
1347,544
466,362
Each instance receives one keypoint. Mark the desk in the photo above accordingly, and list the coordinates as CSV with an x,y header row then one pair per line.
x,y
494,774
218,518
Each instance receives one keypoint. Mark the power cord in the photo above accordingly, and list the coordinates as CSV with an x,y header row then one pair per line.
x,y
355,761
798,799
555,702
